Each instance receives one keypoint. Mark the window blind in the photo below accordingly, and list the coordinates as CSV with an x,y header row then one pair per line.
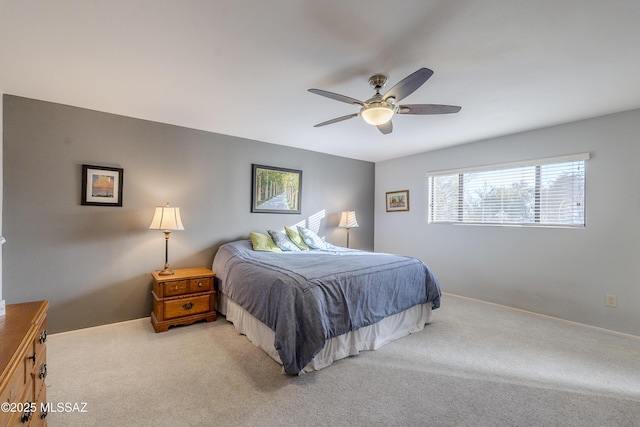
x,y
542,192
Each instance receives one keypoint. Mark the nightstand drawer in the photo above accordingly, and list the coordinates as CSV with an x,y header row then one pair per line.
x,y
187,306
201,284
175,287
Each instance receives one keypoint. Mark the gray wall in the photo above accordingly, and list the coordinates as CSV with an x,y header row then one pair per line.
x,y
560,272
93,263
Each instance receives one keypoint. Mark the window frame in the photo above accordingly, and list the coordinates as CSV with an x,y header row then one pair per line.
x,y
537,164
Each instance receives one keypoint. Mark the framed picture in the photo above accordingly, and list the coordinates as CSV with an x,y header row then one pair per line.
x,y
101,186
275,190
398,201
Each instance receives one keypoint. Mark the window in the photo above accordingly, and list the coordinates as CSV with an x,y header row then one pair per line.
x,y
543,192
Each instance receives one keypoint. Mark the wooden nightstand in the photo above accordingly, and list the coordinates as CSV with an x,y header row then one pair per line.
x,y
182,298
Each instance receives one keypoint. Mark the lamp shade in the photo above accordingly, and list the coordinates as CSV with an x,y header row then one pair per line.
x,y
166,218
348,220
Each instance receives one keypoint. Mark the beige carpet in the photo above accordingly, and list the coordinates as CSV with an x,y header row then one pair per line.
x,y
477,364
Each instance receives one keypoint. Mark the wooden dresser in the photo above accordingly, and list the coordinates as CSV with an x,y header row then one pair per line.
x,y
23,363
182,298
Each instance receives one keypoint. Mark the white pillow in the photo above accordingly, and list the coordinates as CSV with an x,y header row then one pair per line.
x,y
311,238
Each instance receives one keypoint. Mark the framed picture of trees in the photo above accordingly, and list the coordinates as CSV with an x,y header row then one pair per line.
x,y
397,201
276,190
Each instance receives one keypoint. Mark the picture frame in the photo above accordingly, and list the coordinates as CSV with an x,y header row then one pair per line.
x,y
275,190
397,201
101,186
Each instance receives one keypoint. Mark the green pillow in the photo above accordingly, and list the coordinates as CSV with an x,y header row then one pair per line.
x,y
262,242
296,238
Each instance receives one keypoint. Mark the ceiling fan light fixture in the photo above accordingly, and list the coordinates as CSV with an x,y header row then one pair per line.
x,y
380,108
377,114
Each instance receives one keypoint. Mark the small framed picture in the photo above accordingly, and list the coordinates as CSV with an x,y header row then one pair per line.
x,y
101,186
275,190
398,201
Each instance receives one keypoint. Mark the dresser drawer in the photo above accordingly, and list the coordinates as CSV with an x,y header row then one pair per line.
x,y
200,284
175,287
37,347
187,306
39,373
13,393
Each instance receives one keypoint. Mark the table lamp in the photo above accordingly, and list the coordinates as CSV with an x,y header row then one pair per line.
x,y
166,218
348,221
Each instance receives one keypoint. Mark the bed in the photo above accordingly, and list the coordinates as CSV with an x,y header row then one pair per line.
x,y
307,309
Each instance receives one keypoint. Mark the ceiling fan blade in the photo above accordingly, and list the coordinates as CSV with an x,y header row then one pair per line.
x,y
408,85
336,96
386,128
336,120
427,109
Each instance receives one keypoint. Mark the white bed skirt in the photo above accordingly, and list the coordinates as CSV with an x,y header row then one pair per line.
x,y
369,337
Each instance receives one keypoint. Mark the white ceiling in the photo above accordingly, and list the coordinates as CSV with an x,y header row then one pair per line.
x,y
243,67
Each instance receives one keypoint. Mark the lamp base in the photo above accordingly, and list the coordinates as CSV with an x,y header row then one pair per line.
x,y
166,272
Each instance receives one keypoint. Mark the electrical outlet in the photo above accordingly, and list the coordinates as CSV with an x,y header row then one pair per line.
x,y
611,301
3,308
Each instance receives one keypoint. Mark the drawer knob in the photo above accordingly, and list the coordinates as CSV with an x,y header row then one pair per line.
x,y
200,285
43,371
188,306
27,414
43,336
176,288
33,357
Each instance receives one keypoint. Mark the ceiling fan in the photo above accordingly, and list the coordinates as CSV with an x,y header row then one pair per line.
x,y
379,109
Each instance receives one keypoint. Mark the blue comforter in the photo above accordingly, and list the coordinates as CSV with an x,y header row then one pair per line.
x,y
310,296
